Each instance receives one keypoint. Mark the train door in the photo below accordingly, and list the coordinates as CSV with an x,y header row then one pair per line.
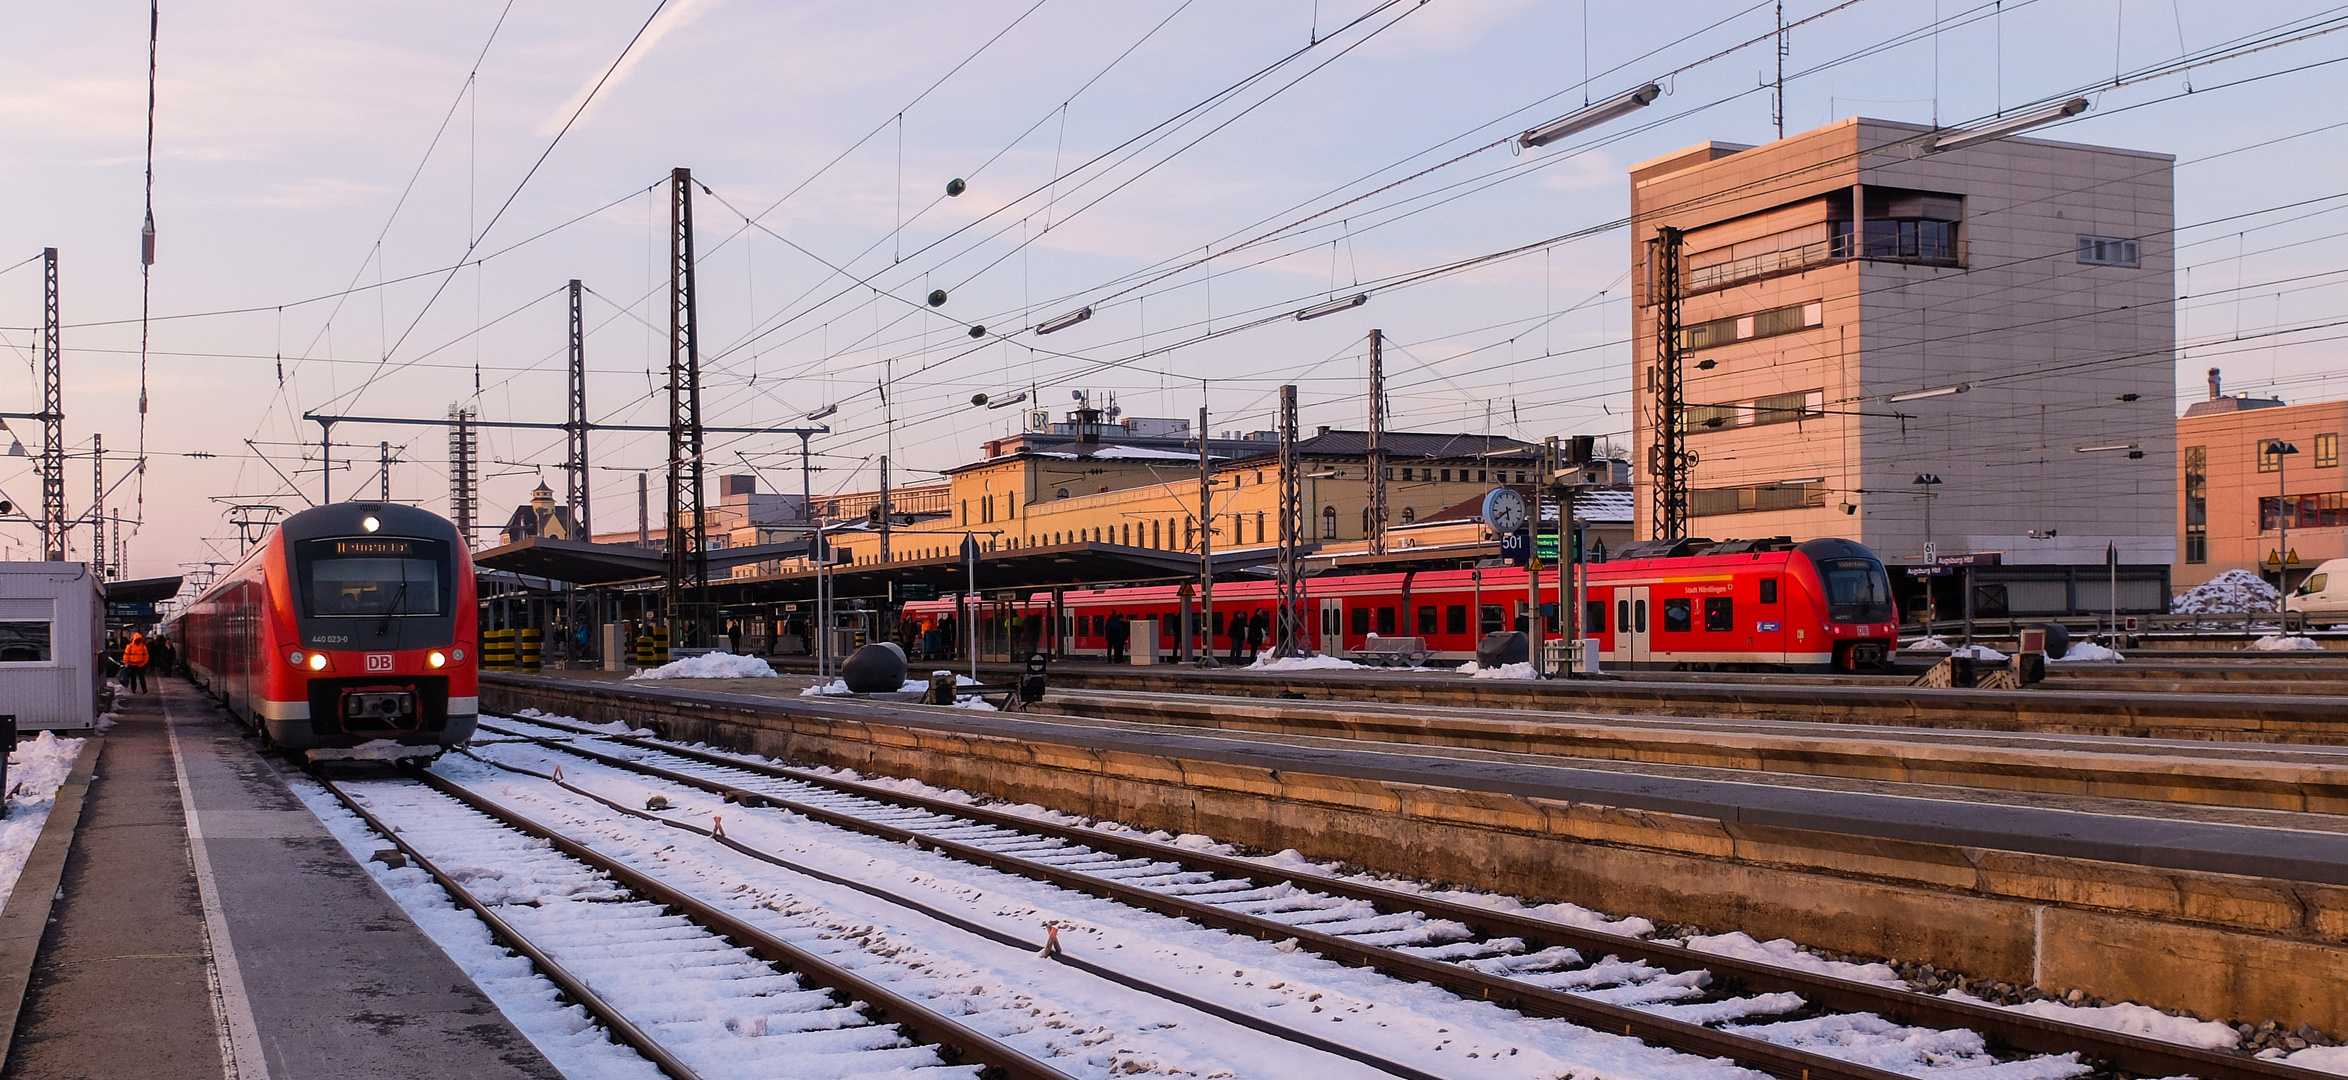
x,y
1633,644
1333,627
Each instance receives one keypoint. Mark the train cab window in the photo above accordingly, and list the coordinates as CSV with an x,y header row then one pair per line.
x,y
1490,619
1719,613
374,577
1622,614
1385,622
1455,619
1768,590
1361,621
1593,618
1679,615
1426,619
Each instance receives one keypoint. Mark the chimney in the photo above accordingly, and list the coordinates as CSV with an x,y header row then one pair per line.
x,y
1324,430
2215,384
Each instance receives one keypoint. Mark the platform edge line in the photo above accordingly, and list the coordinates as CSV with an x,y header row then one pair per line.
x,y
241,1053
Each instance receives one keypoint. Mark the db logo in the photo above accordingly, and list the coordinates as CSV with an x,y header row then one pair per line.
x,y
379,661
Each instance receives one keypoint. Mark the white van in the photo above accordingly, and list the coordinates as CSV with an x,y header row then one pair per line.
x,y
2324,595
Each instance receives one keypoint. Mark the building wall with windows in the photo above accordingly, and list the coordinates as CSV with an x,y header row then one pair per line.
x,y
2232,488
1828,273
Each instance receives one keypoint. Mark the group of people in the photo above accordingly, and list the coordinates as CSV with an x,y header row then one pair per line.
x,y
929,637
1248,634
134,656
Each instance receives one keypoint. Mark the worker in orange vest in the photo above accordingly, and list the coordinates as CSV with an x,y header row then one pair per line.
x,y
134,663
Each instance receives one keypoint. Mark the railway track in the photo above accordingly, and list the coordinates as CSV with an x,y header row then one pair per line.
x,y
700,992
1790,1022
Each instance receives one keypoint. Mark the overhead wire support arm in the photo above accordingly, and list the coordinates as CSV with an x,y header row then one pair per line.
x,y
550,425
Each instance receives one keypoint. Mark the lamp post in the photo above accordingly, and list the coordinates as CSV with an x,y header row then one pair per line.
x,y
2281,450
1929,481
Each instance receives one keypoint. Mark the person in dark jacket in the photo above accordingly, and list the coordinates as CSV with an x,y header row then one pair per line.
x,y
161,656
1259,626
1115,632
1238,630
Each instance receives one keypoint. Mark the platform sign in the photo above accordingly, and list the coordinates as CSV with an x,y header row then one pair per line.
x,y
1516,548
1547,547
1930,571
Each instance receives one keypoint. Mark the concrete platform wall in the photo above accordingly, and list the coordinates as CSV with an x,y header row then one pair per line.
x,y
2217,945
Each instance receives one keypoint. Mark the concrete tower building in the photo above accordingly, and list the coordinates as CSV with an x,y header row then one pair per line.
x,y
1857,311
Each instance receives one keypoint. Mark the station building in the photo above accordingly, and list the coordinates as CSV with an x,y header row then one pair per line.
x,y
2238,496
1858,312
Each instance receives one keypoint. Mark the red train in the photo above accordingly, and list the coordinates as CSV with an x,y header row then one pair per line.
x,y
1819,605
347,623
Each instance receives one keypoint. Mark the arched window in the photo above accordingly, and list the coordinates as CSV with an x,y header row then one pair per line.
x,y
1409,514
1189,535
1153,534
1128,532
1328,523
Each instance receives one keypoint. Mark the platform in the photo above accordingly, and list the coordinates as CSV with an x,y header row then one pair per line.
x,y
209,926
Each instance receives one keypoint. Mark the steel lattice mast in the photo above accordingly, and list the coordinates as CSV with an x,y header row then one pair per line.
x,y
1290,614
1668,459
688,538
52,416
578,496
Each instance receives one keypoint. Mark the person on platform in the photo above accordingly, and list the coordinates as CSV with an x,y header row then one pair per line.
x,y
1238,629
1116,634
1259,627
134,663
163,657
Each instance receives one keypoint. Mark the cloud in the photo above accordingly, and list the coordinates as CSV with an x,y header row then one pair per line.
x,y
677,15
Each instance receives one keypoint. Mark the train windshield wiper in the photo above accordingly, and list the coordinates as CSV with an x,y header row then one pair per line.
x,y
398,596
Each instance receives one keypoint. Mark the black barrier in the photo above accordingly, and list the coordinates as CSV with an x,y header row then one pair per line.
x,y
8,732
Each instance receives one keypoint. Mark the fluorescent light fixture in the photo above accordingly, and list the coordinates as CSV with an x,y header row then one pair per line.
x,y
1802,480
1937,391
1590,116
1009,401
1054,326
823,412
1999,129
1332,307
2104,449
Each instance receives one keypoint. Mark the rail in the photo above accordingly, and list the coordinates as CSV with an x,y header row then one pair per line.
x,y
2139,1056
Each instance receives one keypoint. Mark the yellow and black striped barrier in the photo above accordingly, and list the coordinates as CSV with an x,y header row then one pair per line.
x,y
644,651
660,644
531,650
497,650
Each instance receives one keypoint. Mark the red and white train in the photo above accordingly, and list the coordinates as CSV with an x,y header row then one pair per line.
x,y
348,623
1820,605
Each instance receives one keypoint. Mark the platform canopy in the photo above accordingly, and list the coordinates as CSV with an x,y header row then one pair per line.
x,y
581,563
147,590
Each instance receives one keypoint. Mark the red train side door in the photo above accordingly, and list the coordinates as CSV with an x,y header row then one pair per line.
x,y
1633,644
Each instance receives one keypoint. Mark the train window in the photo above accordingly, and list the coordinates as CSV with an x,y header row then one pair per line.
x,y
1679,615
1218,625
1488,619
394,576
1385,622
1719,613
1594,617
1361,621
1427,621
24,641
1455,619
1622,614
1768,590
1639,615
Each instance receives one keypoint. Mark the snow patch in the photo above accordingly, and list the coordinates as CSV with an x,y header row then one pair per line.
x,y
2129,1019
716,665
2086,652
35,771
912,686
1521,670
2279,643
1935,643
372,750
1978,652
2332,1059
2234,592
1782,952
1301,663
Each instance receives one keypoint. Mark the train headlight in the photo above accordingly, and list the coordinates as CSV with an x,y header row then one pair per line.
x,y
437,658
370,523
317,661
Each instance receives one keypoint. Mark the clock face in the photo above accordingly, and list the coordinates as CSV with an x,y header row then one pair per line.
x,y
1504,510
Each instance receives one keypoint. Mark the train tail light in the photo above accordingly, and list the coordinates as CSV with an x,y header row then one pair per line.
x,y
437,658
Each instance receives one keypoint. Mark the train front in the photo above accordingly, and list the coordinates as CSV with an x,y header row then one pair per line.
x,y
1860,617
383,605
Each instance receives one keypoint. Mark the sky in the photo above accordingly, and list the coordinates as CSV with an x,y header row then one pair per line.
x,y
374,209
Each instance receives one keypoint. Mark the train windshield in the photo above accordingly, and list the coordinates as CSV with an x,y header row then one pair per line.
x,y
391,576
1857,590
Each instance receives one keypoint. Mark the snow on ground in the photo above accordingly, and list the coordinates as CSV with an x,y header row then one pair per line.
x,y
1978,652
1784,953
2279,643
2234,592
2333,1059
1089,1027
565,1033
716,665
1521,670
1323,662
612,728
372,750
2086,652
35,771
912,686
1935,643
2127,1019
